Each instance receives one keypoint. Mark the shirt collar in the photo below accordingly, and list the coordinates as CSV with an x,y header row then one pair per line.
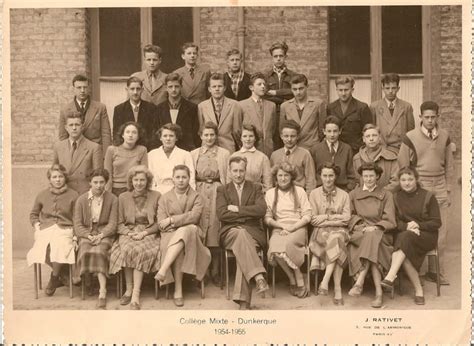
x,y
388,102
235,75
221,101
255,99
292,150
133,105
86,101
365,188
241,186
336,145
77,140
251,150
206,149
156,73
90,196
425,131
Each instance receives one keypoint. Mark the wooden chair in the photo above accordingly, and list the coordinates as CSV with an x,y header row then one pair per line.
x,y
38,280
118,286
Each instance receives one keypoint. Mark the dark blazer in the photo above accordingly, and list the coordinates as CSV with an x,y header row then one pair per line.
x,y
283,88
107,224
251,210
357,115
96,126
146,118
188,120
195,89
243,91
88,157
126,219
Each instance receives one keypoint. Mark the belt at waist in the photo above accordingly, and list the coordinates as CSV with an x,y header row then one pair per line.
x,y
208,180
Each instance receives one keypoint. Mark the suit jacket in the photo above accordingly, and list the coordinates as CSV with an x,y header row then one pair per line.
x,y
158,93
88,156
107,223
229,125
310,121
243,90
265,126
392,128
146,118
188,120
169,206
353,121
195,89
96,126
251,209
126,219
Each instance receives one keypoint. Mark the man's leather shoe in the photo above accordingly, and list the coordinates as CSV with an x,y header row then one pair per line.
x,y
262,286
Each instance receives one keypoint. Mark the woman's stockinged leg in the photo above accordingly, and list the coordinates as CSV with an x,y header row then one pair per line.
x,y
178,275
397,259
327,275
413,277
102,285
128,281
288,271
172,252
337,281
137,284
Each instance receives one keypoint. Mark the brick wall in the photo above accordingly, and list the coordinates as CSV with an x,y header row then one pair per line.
x,y
305,30
48,47
450,53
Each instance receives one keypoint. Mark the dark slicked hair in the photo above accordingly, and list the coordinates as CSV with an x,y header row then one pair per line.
x,y
429,105
279,45
79,78
299,78
150,48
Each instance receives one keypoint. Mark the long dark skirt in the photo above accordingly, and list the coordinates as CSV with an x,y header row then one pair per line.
x,y
416,247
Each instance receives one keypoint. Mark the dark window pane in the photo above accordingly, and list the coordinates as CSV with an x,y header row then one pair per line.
x,y
401,39
172,27
349,40
119,41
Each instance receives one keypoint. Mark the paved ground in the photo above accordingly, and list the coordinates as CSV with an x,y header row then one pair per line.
x,y
215,298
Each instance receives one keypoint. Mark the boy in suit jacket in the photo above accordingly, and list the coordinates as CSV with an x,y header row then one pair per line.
x,y
224,112
137,110
178,110
95,121
305,111
331,149
261,113
195,77
240,208
77,154
236,80
393,116
154,89
352,113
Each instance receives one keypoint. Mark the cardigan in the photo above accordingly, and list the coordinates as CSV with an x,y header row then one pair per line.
x,y
52,209
107,224
126,220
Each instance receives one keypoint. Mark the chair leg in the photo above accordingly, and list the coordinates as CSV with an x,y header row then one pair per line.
x,y
227,275
221,265
83,288
167,292
156,289
117,284
203,294
308,272
273,282
438,278
40,283
316,277
70,281
35,268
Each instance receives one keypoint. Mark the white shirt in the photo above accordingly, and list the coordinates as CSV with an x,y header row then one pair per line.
x,y
96,205
434,132
336,145
365,188
389,102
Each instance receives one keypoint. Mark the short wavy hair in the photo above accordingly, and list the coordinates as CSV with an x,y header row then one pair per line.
x,y
132,172
211,126
330,165
370,166
345,80
252,128
181,168
99,172
408,170
178,131
57,167
285,167
119,139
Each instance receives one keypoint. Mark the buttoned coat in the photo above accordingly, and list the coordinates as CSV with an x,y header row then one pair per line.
x,y
393,127
310,121
96,126
229,124
88,156
195,89
251,209
158,93
265,125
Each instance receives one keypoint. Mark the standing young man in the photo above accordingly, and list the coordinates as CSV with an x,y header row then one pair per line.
x,y
95,121
305,111
135,109
428,149
195,77
393,116
237,81
224,112
153,78
178,110
352,113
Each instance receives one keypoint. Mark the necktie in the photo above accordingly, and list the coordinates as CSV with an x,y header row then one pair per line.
x,y
135,113
235,84
83,106
191,72
391,108
152,80
239,193
333,150
260,107
74,147
287,152
218,110
430,134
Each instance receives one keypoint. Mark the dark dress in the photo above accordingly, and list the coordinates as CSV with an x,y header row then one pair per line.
x,y
419,206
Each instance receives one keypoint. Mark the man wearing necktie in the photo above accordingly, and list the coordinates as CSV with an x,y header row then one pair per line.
x,y
154,90
77,154
240,208
237,81
135,109
429,150
95,121
393,116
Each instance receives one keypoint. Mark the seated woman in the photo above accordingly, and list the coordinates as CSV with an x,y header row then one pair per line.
x,y
51,218
137,250
258,165
182,251
288,213
95,225
210,161
125,154
373,219
331,213
162,160
374,150
418,221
